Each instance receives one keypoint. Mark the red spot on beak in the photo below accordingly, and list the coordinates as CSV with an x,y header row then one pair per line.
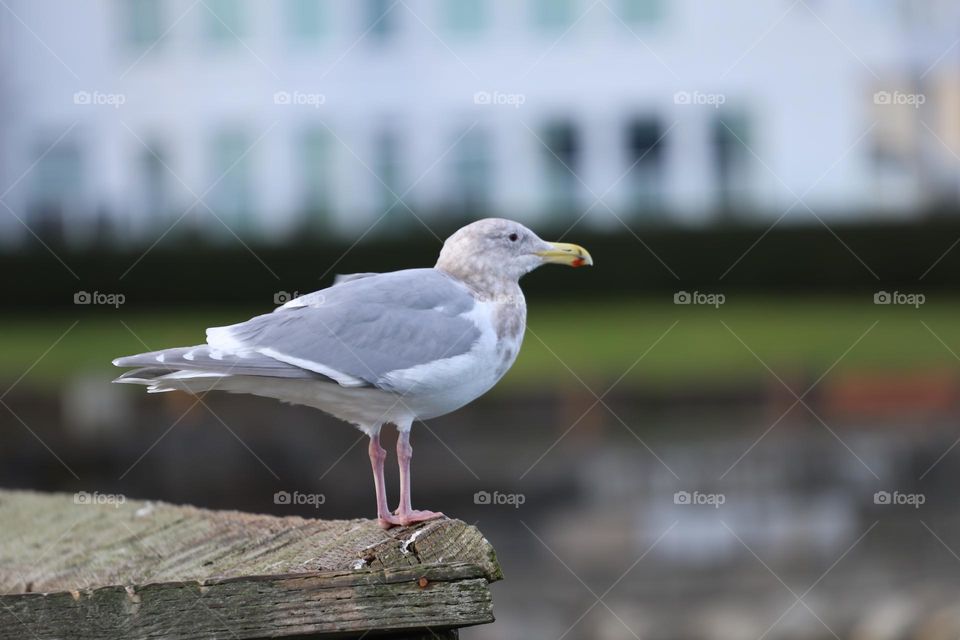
x,y
577,262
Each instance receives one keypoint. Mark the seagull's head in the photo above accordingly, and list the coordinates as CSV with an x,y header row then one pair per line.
x,y
495,247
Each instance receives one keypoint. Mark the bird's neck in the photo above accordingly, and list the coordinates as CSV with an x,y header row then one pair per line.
x,y
486,285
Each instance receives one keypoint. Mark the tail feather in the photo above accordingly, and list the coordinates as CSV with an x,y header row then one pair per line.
x,y
161,380
204,360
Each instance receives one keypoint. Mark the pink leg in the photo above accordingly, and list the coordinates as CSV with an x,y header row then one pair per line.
x,y
405,513
377,457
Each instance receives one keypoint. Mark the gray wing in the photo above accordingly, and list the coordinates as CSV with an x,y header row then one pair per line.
x,y
341,278
358,331
318,297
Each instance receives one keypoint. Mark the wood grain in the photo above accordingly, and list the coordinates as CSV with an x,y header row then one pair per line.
x,y
154,570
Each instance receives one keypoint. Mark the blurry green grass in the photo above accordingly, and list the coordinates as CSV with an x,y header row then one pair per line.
x,y
791,336
597,341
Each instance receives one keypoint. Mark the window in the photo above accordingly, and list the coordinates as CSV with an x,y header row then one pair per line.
x,y
472,167
225,21
232,171
645,154
896,150
154,184
380,19
639,12
387,167
465,16
56,187
143,22
732,161
304,19
552,15
313,161
561,163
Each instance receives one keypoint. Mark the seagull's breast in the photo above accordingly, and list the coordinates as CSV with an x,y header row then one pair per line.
x,y
444,385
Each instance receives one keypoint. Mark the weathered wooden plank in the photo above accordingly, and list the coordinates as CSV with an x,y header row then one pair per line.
x,y
153,570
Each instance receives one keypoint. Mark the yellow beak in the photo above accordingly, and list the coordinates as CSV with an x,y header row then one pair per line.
x,y
565,253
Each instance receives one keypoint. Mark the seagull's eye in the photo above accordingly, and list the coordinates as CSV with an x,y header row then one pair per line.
x,y
513,237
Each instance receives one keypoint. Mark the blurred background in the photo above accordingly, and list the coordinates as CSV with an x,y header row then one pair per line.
x,y
740,424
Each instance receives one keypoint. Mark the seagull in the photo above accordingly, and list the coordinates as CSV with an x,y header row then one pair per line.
x,y
379,348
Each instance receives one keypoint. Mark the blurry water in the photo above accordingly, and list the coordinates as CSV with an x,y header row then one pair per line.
x,y
632,520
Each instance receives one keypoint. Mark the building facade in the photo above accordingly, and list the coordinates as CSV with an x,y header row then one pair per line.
x,y
133,118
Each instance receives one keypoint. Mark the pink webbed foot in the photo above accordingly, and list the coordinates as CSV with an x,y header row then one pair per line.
x,y
415,515
405,519
388,520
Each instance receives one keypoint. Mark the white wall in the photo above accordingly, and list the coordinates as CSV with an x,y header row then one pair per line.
x,y
806,85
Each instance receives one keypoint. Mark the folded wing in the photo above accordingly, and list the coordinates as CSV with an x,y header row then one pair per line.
x,y
354,333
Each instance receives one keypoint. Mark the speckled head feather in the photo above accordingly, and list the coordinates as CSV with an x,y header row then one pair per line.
x,y
491,255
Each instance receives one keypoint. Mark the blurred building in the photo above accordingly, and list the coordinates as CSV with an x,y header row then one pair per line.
x,y
221,117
